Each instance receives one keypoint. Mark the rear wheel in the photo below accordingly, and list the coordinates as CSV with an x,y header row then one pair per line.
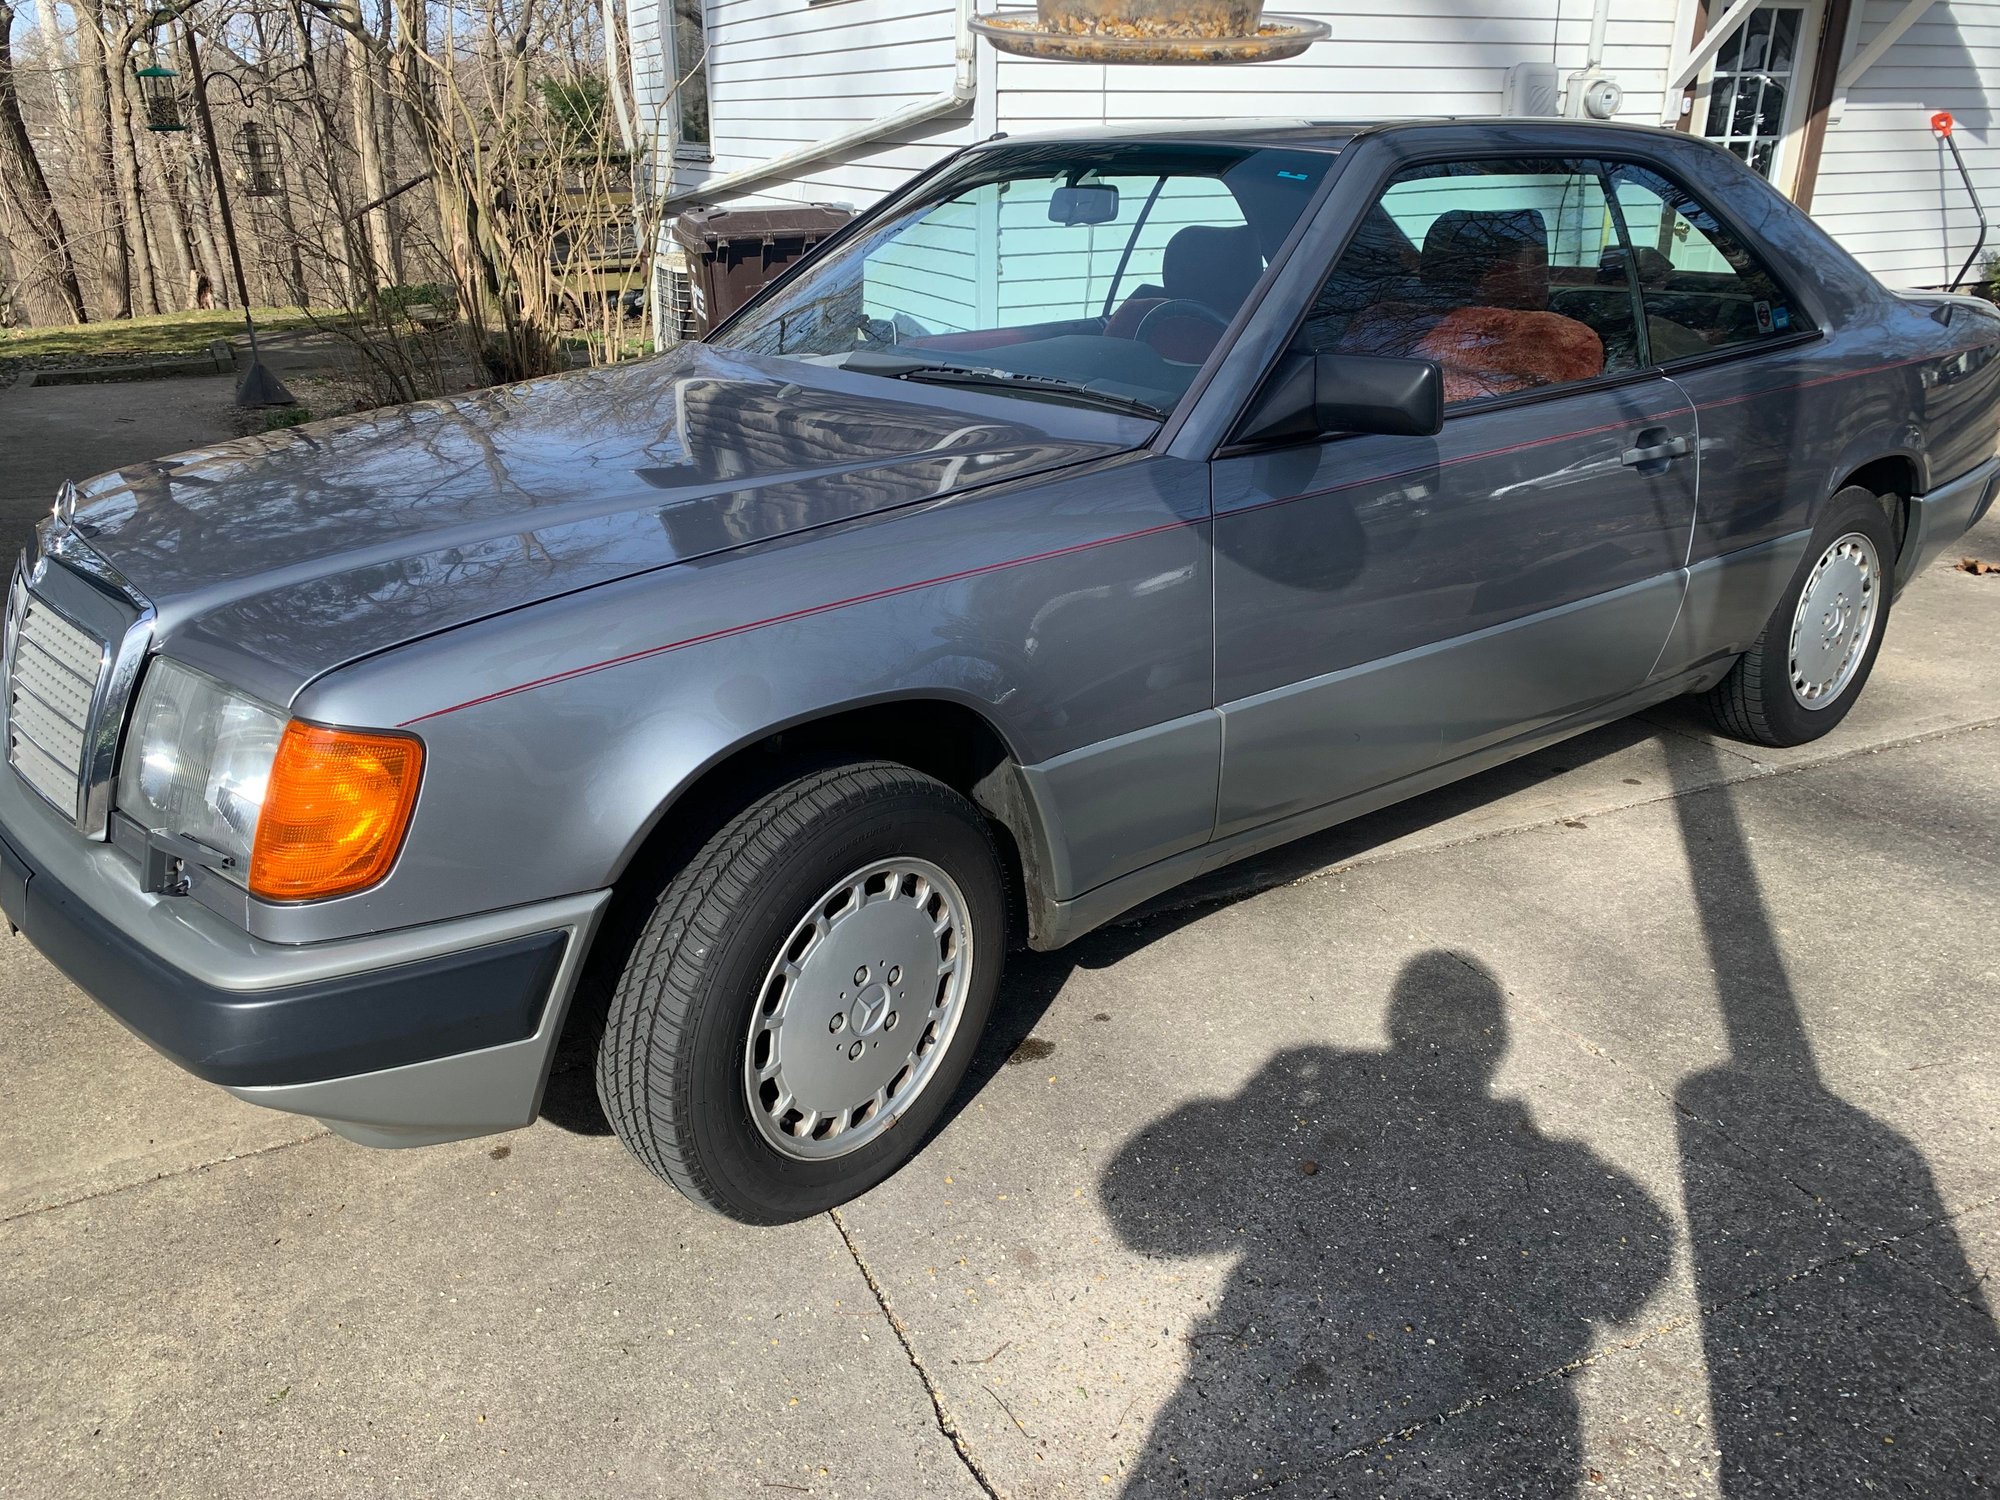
x,y
1815,653
807,993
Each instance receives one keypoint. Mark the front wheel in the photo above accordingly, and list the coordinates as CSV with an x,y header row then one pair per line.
x,y
807,993
1815,653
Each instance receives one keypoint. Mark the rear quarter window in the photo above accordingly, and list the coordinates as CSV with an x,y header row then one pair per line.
x,y
1703,288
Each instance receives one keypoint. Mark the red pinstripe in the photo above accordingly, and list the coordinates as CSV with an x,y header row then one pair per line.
x,y
800,614
1126,536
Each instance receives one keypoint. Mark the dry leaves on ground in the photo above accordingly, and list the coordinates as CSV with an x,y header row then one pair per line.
x,y
1979,567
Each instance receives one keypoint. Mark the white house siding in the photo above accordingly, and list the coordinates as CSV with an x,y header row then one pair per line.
x,y
1887,188
784,73
1384,61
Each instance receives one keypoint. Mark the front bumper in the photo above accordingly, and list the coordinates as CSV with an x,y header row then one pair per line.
x,y
1943,516
408,1037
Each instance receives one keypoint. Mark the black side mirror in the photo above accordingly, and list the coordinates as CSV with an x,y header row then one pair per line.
x,y
1309,396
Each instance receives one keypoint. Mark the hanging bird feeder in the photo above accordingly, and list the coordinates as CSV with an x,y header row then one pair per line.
x,y
1150,31
161,98
259,151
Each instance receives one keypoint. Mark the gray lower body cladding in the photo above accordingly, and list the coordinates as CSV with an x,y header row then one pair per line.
x,y
372,1034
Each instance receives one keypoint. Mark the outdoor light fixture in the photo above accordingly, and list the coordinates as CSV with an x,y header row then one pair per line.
x,y
161,98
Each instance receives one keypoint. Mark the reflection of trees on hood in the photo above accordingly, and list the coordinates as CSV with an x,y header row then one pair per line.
x,y
403,521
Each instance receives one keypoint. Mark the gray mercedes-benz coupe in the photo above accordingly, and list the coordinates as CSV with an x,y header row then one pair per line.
x,y
1092,512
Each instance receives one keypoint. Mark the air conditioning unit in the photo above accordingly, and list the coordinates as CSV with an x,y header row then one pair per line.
x,y
674,316
1533,88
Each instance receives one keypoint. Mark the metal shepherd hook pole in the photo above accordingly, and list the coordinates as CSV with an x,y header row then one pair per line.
x,y
258,387
1941,124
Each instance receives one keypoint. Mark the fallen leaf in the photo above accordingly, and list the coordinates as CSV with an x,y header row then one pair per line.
x,y
1978,567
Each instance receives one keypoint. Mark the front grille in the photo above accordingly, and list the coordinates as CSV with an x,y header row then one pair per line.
x,y
53,678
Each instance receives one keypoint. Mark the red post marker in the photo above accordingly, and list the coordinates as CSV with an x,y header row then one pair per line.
x,y
1941,123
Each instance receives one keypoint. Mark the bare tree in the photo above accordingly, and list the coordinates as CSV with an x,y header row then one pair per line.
x,y
30,187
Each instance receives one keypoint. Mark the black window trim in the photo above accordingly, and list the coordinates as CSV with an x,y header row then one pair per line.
x,y
1803,336
1603,163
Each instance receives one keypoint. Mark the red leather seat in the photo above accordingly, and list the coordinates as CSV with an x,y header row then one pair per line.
x,y
1483,310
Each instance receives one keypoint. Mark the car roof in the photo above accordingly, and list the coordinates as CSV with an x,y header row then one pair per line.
x,y
1315,135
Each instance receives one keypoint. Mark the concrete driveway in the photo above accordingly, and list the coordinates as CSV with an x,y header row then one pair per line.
x,y
1626,1121
49,433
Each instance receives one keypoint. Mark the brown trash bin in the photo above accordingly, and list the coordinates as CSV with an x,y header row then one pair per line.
x,y
733,253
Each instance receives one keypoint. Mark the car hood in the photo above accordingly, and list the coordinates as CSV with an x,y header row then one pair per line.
x,y
317,545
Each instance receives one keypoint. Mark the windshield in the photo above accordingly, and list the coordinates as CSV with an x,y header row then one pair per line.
x,y
1098,274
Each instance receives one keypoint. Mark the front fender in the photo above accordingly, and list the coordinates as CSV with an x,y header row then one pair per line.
x,y
1066,612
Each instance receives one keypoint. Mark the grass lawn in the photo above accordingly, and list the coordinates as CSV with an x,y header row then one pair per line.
x,y
164,333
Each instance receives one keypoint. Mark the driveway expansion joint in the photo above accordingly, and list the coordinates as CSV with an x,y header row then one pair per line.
x,y
946,1424
113,1189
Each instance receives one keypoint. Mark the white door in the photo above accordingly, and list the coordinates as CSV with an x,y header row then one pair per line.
x,y
1754,96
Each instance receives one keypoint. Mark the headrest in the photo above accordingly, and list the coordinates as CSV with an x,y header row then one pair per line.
x,y
1489,258
1653,268
1212,265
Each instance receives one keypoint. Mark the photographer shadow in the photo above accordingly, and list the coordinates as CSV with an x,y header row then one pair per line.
x,y
1406,1240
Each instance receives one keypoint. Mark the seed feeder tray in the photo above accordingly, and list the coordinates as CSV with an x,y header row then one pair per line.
x,y
1022,33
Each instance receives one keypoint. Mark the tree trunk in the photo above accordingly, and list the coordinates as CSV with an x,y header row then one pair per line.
x,y
201,212
385,135
125,172
101,153
12,308
339,243
37,203
197,193
56,55
368,145
178,240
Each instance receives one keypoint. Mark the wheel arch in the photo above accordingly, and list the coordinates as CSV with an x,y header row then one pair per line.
x,y
939,733
1892,478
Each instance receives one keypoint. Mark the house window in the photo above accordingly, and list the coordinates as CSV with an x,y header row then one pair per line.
x,y
1753,92
690,100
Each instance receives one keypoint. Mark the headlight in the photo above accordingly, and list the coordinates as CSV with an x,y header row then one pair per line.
x,y
198,761
302,810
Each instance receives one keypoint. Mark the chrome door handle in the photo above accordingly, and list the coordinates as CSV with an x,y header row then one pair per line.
x,y
1671,448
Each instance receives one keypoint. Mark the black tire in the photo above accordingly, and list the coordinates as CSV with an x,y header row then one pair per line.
x,y
670,1066
1756,702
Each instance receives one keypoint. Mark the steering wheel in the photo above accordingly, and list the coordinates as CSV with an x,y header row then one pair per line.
x,y
1178,307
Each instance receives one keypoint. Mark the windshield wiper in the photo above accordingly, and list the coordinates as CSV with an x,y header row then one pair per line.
x,y
901,368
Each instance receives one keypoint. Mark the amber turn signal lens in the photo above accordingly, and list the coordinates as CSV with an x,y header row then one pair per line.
x,y
335,811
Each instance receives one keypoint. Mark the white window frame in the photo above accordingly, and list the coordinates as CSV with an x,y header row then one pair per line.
x,y
670,31
1798,102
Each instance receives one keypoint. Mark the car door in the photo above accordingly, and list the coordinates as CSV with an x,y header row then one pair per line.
x,y
1727,332
1386,603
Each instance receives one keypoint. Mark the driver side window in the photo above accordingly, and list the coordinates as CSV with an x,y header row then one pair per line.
x,y
1504,272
